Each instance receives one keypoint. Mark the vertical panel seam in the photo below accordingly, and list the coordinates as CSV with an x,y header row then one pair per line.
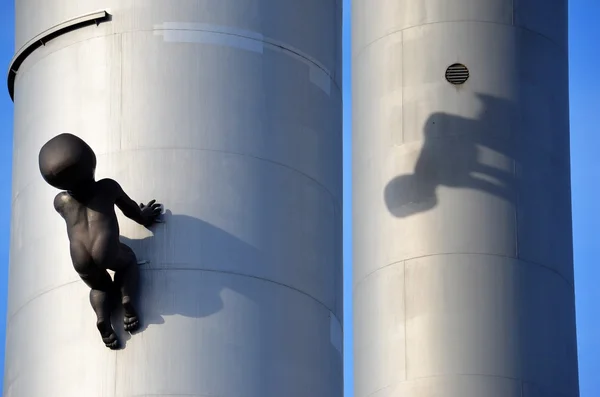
x,y
404,315
115,377
512,13
120,137
522,393
516,211
402,83
121,46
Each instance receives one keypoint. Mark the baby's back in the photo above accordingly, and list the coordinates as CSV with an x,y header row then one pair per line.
x,y
92,225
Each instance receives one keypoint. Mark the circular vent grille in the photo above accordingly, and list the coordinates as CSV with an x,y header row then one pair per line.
x,y
457,74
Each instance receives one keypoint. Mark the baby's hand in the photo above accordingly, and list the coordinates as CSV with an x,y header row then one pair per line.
x,y
151,212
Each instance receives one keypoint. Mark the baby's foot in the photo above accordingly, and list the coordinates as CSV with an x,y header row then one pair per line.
x,y
131,322
108,334
111,341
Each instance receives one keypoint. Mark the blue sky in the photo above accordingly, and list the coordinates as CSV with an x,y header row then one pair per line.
x,y
584,57
585,144
6,126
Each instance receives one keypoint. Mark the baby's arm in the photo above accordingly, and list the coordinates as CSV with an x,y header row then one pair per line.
x,y
144,215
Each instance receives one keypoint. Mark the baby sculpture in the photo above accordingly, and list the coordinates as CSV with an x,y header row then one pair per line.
x,y
66,162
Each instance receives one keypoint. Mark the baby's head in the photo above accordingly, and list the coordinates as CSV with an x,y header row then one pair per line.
x,y
67,162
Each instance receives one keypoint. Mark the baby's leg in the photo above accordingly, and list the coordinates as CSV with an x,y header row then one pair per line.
x,y
101,303
127,278
102,296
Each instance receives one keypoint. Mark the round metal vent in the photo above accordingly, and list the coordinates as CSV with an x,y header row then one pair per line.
x,y
457,74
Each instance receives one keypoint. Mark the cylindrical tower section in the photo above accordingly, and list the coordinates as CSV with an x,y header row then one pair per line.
x,y
229,113
463,262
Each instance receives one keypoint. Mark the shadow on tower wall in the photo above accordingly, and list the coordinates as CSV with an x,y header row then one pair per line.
x,y
460,152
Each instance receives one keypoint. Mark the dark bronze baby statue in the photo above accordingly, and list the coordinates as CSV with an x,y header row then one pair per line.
x,y
68,163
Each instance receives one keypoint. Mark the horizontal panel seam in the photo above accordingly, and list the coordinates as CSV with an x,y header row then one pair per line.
x,y
33,298
519,381
182,269
153,30
528,262
336,201
378,390
466,375
359,51
173,395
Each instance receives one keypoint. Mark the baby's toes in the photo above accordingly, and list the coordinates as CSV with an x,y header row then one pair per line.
x,y
113,345
111,341
131,324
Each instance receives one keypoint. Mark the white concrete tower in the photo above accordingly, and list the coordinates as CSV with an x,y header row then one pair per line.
x,y
463,262
229,113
